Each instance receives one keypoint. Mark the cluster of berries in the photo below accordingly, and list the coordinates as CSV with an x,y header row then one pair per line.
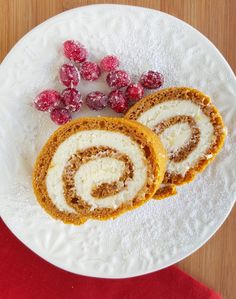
x,y
61,105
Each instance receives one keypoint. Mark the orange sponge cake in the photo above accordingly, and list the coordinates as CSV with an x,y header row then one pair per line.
x,y
98,168
190,127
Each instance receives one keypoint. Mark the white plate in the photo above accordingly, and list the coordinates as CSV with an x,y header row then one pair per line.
x,y
159,233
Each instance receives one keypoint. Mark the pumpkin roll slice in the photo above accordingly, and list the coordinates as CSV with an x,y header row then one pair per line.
x,y
98,168
190,128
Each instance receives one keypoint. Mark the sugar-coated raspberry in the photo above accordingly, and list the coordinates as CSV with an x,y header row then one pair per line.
x,y
90,71
109,63
47,100
72,99
96,100
117,101
60,116
118,79
69,75
75,51
152,79
134,91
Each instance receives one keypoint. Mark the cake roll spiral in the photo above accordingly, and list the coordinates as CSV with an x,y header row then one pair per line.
x,y
190,128
98,168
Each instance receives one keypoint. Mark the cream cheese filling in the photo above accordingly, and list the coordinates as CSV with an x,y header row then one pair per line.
x,y
177,135
109,167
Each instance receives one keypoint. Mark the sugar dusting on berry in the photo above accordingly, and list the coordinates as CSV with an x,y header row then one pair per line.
x,y
69,75
118,79
134,92
72,99
60,116
75,51
152,80
96,100
109,63
117,101
47,100
90,71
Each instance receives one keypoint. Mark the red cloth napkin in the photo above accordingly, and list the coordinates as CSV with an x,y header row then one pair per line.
x,y
24,275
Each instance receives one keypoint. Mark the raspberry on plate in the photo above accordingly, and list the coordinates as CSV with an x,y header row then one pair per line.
x,y
60,116
72,99
134,91
117,101
109,63
152,79
118,79
90,71
47,100
96,100
69,75
75,51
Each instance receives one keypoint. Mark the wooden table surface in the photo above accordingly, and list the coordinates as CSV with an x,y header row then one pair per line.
x,y
215,263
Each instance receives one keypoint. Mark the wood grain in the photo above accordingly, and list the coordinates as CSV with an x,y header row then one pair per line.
x,y
215,263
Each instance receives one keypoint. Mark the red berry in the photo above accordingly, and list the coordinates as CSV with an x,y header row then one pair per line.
x,y
96,100
72,99
109,63
117,101
134,91
118,79
60,116
47,100
90,71
152,79
69,75
75,51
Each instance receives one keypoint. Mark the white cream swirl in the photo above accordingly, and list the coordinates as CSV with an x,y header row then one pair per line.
x,y
96,171
177,135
